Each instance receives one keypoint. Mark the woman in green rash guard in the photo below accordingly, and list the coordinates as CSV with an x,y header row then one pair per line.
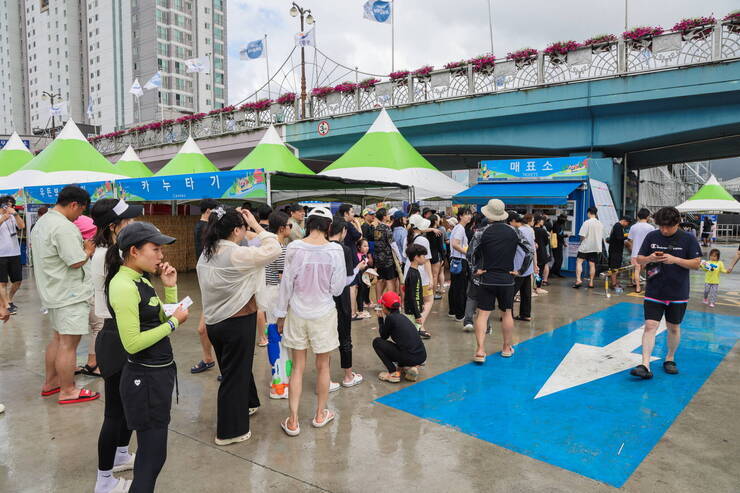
x,y
149,375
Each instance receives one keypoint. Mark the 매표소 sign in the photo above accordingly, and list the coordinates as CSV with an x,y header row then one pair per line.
x,y
558,168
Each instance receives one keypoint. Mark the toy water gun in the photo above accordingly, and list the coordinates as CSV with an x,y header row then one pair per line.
x,y
708,266
280,361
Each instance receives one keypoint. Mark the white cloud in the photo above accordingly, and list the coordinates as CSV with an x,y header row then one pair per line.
x,y
432,31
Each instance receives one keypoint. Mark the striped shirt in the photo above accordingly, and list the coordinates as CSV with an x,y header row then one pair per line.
x,y
273,270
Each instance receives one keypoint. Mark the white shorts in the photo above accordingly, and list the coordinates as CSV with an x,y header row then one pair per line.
x,y
319,334
266,300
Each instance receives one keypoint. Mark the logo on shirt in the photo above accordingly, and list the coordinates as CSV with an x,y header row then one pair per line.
x,y
137,382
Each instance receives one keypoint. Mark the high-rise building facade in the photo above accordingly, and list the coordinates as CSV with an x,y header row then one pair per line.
x,y
90,51
14,108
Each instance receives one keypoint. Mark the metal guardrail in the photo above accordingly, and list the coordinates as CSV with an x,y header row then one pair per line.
x,y
728,233
673,50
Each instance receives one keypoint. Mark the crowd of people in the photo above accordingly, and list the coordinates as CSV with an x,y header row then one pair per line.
x,y
296,279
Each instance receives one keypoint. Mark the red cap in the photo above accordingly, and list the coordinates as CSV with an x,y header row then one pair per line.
x,y
389,299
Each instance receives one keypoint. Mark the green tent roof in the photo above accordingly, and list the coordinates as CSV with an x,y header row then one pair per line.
x,y
271,154
14,155
130,165
70,151
382,146
189,159
710,197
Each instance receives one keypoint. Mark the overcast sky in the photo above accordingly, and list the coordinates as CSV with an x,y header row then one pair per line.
x,y
433,31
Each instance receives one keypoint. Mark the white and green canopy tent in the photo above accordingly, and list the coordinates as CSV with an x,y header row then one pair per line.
x,y
384,154
189,159
271,154
70,158
14,155
711,197
130,165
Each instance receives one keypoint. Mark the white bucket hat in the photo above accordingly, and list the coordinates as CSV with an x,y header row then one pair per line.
x,y
418,222
495,210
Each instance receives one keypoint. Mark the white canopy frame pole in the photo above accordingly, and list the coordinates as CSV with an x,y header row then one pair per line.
x,y
268,185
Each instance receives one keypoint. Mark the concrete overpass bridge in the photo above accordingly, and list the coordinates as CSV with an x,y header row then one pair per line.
x,y
674,98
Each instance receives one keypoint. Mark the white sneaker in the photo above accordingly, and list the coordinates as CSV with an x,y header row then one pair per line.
x,y
120,486
126,465
253,411
334,386
468,328
229,441
2,408
284,395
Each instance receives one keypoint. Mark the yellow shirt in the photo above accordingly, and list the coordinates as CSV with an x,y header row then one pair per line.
x,y
712,277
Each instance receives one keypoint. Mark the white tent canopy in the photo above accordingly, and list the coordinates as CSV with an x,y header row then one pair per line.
x,y
711,197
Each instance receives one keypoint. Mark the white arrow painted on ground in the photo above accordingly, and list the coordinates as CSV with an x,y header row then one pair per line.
x,y
585,363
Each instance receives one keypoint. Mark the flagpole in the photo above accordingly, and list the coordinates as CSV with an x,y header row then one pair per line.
x,y
490,22
393,36
267,65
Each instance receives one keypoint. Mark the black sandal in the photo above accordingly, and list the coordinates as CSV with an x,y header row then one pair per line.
x,y
577,285
641,371
670,367
89,371
523,319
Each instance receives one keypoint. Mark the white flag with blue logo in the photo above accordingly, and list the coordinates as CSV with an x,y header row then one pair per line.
x,y
202,64
155,82
305,39
253,51
90,112
58,109
378,11
136,89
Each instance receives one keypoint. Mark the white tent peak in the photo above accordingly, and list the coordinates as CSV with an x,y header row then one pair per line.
x,y
190,147
271,136
712,181
71,132
383,123
129,155
15,144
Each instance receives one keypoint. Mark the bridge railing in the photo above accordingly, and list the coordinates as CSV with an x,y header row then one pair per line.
x,y
619,58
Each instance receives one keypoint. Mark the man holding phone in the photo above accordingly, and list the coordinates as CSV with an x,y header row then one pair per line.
x,y
10,250
668,254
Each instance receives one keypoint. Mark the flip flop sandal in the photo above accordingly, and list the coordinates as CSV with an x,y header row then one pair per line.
x,y
84,396
262,344
328,418
356,380
577,285
288,431
523,319
479,359
508,354
202,366
47,393
90,371
590,286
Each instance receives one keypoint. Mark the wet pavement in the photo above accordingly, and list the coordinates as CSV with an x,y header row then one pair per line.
x,y
460,428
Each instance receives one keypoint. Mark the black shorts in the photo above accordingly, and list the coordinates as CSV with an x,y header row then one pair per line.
x,y
387,273
147,396
673,311
10,267
589,256
490,296
615,259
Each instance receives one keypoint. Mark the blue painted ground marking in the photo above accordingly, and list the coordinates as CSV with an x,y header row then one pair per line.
x,y
581,428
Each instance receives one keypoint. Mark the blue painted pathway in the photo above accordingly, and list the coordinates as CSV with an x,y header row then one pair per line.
x,y
602,429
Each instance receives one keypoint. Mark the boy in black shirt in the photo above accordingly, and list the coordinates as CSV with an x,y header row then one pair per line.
x,y
669,254
413,303
616,247
407,349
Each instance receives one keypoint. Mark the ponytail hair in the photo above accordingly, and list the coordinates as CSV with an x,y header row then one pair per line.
x,y
221,224
114,259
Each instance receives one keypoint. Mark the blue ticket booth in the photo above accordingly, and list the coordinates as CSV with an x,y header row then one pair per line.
x,y
552,186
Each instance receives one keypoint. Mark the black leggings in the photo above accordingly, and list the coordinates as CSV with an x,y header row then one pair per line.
x,y
233,342
523,286
390,354
344,327
363,296
114,433
458,294
151,455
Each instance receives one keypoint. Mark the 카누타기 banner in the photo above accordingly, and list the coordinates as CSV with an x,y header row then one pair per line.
x,y
240,184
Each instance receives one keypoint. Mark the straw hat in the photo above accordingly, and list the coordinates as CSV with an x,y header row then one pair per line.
x,y
495,210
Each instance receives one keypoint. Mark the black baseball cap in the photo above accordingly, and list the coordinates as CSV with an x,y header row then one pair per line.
x,y
122,210
142,232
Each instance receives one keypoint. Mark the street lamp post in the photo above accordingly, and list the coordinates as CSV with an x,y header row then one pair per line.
x,y
305,14
52,96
